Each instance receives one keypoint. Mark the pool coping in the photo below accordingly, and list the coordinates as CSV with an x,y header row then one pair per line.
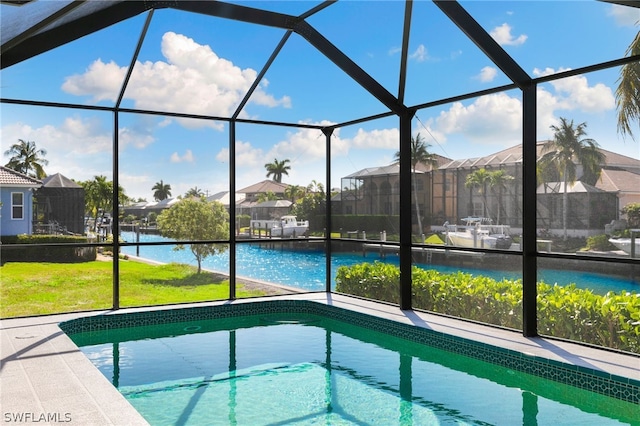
x,y
44,374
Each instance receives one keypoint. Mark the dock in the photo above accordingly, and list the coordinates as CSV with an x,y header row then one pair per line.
x,y
426,252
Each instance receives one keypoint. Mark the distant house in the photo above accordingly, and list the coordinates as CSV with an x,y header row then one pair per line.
x,y
16,196
267,209
253,191
590,207
444,196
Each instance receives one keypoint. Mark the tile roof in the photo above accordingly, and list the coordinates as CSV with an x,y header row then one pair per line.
x,y
619,180
9,177
513,155
265,186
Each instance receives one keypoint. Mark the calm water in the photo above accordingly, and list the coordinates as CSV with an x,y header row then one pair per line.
x,y
308,370
307,270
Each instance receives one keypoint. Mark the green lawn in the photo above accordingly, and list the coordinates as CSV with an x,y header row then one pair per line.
x,y
45,288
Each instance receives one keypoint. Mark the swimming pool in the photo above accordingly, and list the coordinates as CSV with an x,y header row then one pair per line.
x,y
301,362
306,269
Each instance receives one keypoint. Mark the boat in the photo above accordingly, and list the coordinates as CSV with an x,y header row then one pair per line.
x,y
478,232
290,226
624,244
286,226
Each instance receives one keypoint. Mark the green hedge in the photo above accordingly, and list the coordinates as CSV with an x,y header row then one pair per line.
x,y
612,320
45,254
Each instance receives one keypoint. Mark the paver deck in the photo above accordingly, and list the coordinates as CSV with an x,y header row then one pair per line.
x,y
46,379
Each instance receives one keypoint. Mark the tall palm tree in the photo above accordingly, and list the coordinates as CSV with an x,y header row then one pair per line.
x,y
27,159
480,179
277,169
498,180
419,155
628,91
161,191
568,147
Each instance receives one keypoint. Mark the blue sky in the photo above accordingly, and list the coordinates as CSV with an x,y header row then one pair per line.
x,y
197,64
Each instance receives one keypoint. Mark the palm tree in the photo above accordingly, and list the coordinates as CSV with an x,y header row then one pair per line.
x,y
499,179
562,153
293,192
315,187
194,192
480,179
277,169
267,196
99,196
161,191
628,91
419,155
27,159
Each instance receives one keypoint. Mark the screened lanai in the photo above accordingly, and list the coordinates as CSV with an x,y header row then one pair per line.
x,y
203,95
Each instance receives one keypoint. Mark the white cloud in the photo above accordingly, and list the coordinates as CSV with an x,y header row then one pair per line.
x,y
246,155
490,119
574,93
394,50
623,15
420,54
186,158
487,74
102,81
502,35
191,79
375,139
78,147
304,145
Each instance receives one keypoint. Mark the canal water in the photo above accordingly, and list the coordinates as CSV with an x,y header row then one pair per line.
x,y
306,269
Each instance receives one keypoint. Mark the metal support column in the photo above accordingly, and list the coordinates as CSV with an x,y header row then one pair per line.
x,y
115,216
328,213
232,210
529,225
405,209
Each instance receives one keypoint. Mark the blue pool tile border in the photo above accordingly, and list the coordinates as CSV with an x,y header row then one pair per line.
x,y
622,388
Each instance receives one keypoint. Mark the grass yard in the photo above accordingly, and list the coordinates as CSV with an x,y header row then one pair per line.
x,y
46,288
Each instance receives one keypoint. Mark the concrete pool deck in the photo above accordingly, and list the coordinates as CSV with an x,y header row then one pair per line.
x,y
46,379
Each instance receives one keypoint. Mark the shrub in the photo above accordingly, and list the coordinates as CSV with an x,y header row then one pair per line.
x,y
612,320
600,243
39,253
632,210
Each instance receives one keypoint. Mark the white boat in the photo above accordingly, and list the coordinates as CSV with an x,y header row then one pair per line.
x,y
286,226
478,232
624,244
290,226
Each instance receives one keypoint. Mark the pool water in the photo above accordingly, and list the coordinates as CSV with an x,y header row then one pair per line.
x,y
306,269
303,369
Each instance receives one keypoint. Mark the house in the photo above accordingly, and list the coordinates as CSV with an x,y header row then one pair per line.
x,y
60,201
16,196
443,195
376,190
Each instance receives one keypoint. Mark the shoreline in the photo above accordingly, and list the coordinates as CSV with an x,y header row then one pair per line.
x,y
251,284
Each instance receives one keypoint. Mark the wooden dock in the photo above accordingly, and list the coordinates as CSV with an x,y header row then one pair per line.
x,y
427,252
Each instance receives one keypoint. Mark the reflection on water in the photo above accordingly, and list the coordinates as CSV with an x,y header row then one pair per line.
x,y
306,269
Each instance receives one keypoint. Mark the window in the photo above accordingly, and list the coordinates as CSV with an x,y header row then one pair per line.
x,y
17,205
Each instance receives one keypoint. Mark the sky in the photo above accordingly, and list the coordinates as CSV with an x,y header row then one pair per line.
x,y
200,65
